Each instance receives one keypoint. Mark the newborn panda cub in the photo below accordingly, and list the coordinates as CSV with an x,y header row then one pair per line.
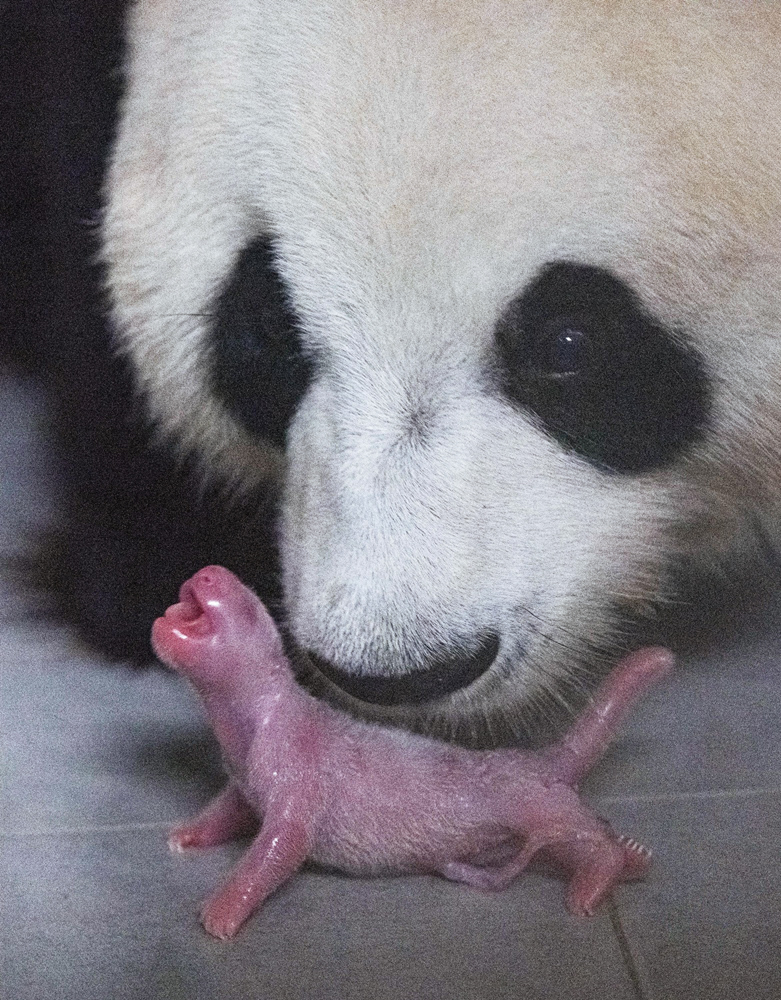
x,y
367,799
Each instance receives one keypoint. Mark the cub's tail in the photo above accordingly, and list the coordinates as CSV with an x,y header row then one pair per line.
x,y
588,738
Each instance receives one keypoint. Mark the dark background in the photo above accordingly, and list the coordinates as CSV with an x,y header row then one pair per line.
x,y
133,524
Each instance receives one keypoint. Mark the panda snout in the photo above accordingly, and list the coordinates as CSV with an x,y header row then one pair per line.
x,y
444,675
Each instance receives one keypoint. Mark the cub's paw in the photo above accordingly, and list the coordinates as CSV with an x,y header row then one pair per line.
x,y
185,838
222,919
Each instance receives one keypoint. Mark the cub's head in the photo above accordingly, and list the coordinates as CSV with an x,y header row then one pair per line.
x,y
493,289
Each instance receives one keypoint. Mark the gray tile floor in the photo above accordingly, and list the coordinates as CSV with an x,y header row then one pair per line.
x,y
97,760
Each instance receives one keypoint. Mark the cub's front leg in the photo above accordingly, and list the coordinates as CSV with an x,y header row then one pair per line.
x,y
278,851
226,817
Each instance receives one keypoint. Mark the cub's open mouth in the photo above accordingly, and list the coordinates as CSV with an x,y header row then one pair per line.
x,y
189,613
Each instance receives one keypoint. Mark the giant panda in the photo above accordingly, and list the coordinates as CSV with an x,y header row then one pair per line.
x,y
463,319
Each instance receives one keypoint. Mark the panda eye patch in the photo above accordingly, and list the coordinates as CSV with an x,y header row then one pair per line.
x,y
579,351
258,368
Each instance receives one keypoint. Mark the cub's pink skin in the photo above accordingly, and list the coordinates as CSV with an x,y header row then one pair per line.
x,y
366,799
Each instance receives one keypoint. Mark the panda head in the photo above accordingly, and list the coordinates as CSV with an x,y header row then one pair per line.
x,y
489,302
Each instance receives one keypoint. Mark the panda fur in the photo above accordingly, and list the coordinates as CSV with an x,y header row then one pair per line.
x,y
472,308
134,518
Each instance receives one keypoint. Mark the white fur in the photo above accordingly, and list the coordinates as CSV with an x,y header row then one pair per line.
x,y
417,163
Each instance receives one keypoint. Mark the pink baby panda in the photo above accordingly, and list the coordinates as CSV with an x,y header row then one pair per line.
x,y
311,782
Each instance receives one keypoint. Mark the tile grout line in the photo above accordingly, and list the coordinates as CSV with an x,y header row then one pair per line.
x,y
703,795
63,831
737,793
635,967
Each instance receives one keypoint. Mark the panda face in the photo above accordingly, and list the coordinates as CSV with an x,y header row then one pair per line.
x,y
485,510
494,287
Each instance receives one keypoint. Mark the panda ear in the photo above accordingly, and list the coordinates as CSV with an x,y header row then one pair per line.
x,y
258,369
602,376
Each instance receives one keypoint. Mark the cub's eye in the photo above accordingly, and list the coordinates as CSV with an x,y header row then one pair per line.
x,y
566,349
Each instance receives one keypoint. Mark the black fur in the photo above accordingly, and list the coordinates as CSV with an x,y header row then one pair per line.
x,y
604,378
258,369
133,526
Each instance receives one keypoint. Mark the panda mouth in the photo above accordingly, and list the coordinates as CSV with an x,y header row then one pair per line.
x,y
415,688
189,613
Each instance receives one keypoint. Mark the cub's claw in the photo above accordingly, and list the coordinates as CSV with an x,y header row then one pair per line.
x,y
632,845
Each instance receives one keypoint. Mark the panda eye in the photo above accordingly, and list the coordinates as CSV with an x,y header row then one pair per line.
x,y
578,351
258,366
566,347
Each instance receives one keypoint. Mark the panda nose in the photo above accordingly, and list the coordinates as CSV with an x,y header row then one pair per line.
x,y
442,677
